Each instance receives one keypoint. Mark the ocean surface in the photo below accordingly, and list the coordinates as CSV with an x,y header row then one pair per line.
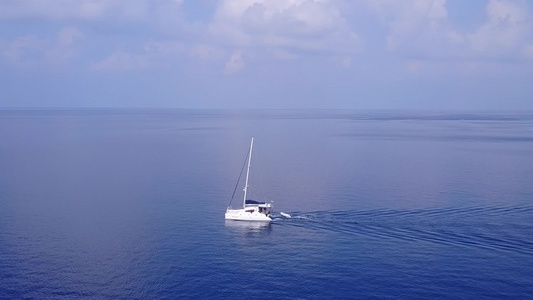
x,y
129,204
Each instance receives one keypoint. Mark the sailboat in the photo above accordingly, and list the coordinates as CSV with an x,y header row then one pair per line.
x,y
251,210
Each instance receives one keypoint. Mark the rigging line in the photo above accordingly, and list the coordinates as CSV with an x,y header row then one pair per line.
x,y
238,180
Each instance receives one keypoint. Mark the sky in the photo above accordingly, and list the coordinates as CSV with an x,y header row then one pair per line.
x,y
267,54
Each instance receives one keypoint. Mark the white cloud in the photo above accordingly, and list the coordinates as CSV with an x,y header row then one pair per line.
x,y
505,11
418,27
417,21
506,29
152,54
164,49
27,51
422,29
205,52
123,61
64,49
133,10
52,9
412,67
67,35
235,63
264,30
291,27
13,51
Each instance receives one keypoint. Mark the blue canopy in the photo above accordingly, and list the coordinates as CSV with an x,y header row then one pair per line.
x,y
253,202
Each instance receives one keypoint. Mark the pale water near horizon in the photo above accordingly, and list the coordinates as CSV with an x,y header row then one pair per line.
x,y
129,204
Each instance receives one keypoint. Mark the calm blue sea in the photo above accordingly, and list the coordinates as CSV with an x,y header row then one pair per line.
x,y
129,204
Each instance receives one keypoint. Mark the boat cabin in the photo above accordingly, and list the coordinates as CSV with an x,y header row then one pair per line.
x,y
252,206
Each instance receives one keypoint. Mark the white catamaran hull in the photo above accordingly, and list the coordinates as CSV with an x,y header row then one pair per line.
x,y
242,215
251,210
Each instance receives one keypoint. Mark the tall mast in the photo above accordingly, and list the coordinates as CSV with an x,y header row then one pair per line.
x,y
247,173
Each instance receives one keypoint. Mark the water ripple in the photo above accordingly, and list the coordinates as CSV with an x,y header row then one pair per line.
x,y
498,228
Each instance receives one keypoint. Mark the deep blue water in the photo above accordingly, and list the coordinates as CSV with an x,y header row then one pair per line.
x,y
118,204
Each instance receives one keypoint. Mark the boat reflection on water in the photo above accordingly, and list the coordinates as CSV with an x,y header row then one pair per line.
x,y
249,227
